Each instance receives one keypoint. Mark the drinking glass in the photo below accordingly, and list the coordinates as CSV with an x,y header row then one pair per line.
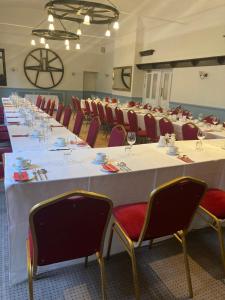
x,y
200,117
131,139
201,137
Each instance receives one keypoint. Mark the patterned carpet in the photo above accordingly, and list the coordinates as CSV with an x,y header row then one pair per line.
x,y
161,272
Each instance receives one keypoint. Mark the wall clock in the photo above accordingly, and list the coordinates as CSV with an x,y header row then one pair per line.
x,y
43,68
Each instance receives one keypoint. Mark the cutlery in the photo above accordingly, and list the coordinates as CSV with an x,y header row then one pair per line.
x,y
123,165
59,149
39,174
35,175
44,172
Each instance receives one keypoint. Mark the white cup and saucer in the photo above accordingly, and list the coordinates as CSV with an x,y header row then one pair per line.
x,y
36,133
101,158
172,150
22,164
60,142
162,141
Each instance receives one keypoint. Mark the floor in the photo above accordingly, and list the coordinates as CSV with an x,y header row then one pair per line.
x,y
161,270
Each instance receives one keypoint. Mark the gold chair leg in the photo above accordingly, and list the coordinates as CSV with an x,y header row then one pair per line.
x,y
135,274
103,277
86,262
110,242
30,272
221,242
187,267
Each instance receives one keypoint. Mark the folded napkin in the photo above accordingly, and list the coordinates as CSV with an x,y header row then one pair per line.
x,y
110,168
20,135
185,158
14,123
21,176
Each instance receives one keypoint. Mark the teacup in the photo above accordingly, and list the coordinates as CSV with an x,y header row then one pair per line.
x,y
22,163
60,141
162,141
100,157
172,150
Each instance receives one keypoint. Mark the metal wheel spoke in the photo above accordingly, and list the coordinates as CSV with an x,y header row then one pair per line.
x,y
51,60
35,68
53,69
36,79
34,57
52,78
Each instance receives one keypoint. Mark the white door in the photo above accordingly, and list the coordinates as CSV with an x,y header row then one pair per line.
x,y
157,86
89,84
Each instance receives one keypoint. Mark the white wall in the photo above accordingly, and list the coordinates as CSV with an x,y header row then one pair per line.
x,y
189,88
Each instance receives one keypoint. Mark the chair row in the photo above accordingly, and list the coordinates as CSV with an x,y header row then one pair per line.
x,y
169,211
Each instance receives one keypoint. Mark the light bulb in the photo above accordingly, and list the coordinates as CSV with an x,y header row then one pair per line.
x,y
42,40
50,18
108,33
67,47
51,27
79,32
33,43
66,42
47,46
116,25
86,20
77,46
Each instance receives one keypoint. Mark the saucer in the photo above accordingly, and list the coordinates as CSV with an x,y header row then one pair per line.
x,y
98,162
58,145
172,153
27,167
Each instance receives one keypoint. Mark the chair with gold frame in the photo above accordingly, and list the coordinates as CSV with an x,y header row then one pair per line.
x,y
212,211
69,226
169,211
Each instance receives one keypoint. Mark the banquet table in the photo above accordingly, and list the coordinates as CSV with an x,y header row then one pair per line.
x,y
149,165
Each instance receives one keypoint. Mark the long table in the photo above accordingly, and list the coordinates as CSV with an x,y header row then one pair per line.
x,y
150,165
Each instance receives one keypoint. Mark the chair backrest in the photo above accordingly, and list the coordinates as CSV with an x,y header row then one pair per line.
x,y
51,110
210,119
59,112
94,108
119,116
43,104
190,131
87,107
133,122
67,116
78,123
93,131
78,104
165,126
38,101
117,137
150,126
73,102
48,106
114,100
84,218
171,207
101,112
109,115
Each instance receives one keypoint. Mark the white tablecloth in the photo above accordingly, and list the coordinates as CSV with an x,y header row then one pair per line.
x,y
150,165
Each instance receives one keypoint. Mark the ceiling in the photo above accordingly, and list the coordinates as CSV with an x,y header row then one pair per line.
x,y
19,17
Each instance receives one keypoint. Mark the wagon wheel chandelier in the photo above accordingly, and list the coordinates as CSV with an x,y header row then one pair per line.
x,y
80,12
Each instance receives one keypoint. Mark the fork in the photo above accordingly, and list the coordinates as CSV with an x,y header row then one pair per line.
x,y
44,172
39,173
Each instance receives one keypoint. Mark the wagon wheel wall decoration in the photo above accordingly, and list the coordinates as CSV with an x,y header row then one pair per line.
x,y
43,68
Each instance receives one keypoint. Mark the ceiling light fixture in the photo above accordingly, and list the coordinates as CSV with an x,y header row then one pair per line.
x,y
66,42
51,27
47,46
67,47
79,32
33,43
42,40
108,32
78,46
86,20
116,25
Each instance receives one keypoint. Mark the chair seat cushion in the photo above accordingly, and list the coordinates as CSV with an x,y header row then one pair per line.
x,y
142,133
214,202
131,218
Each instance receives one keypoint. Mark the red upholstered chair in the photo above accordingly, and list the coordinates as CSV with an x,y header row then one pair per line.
x,y
151,127
93,131
88,109
101,113
120,118
84,218
117,137
52,107
212,211
165,126
110,121
169,211
114,100
59,112
67,116
48,105
78,123
190,131
43,104
94,108
38,101
133,123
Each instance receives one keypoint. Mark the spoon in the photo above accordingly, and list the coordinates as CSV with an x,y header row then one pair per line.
x,y
124,166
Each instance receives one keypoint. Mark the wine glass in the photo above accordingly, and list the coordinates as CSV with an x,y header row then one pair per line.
x,y
200,117
201,137
131,138
215,121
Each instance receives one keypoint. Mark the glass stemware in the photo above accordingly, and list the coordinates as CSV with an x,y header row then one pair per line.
x,y
131,139
201,137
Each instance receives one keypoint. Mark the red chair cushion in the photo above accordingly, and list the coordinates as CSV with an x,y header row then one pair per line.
x,y
131,217
142,133
214,202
